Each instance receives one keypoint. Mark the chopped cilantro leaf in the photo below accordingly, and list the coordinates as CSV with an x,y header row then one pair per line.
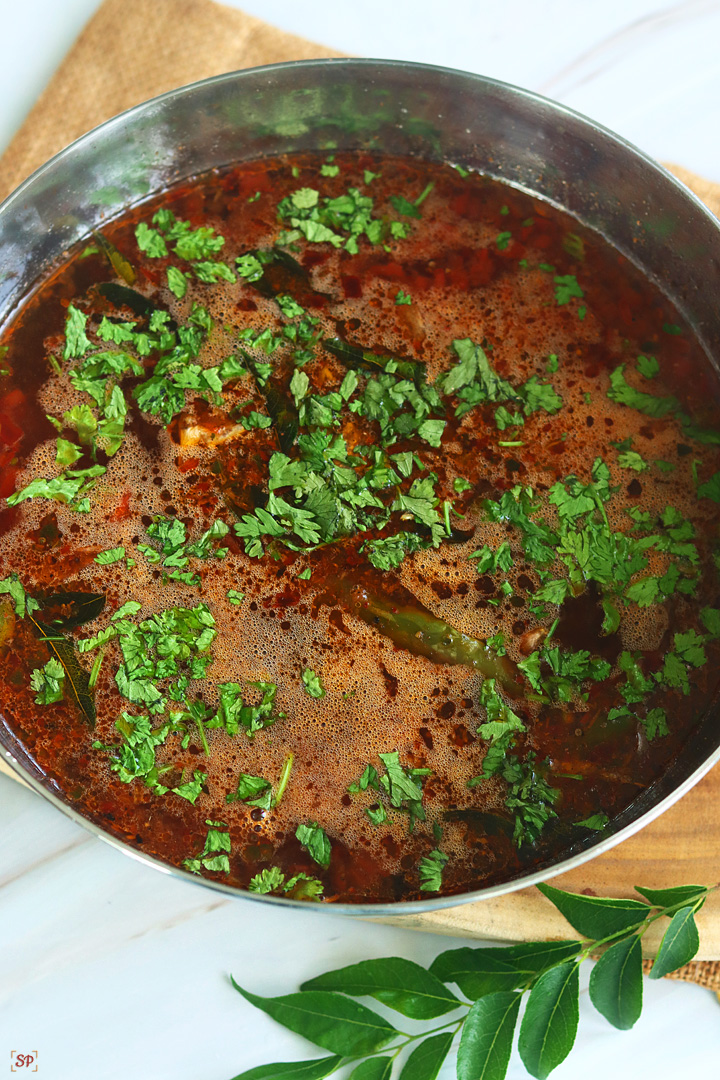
x,y
67,453
430,869
267,881
647,366
621,391
177,281
289,307
710,618
388,552
312,684
150,241
12,587
537,395
315,841
710,489
489,561
430,431
404,207
630,459
655,724
595,821
192,788
48,682
234,713
567,288
253,790
299,887
111,555
77,342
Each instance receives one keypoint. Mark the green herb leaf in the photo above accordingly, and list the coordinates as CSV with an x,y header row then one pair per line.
x,y
329,1020
48,682
177,281
111,555
549,1026
401,984
248,790
12,587
150,241
669,897
312,684
567,288
632,460
314,1069
430,869
315,841
78,680
192,788
595,821
710,489
77,342
425,1062
481,971
594,916
679,944
616,983
476,971
647,366
67,453
621,391
487,1036
378,1068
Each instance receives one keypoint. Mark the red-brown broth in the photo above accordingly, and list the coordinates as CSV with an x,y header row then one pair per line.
x,y
379,698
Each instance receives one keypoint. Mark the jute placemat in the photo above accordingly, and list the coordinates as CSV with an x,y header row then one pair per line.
x,y
161,45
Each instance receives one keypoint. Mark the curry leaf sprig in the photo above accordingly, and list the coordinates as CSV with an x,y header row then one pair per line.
x,y
493,982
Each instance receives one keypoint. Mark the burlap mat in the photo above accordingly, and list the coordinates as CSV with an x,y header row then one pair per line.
x,y
160,45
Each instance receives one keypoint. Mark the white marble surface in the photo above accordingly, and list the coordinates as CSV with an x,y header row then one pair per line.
x,y
109,969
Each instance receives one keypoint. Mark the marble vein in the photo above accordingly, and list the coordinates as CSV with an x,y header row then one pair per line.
x,y
595,62
37,864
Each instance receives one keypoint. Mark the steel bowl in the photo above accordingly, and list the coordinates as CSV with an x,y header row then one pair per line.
x,y
428,112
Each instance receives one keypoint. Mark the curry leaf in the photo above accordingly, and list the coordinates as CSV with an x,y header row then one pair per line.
x,y
668,897
72,608
315,1069
399,983
616,983
476,971
679,944
378,1068
549,1026
329,1020
594,916
536,956
481,971
426,1059
487,1035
